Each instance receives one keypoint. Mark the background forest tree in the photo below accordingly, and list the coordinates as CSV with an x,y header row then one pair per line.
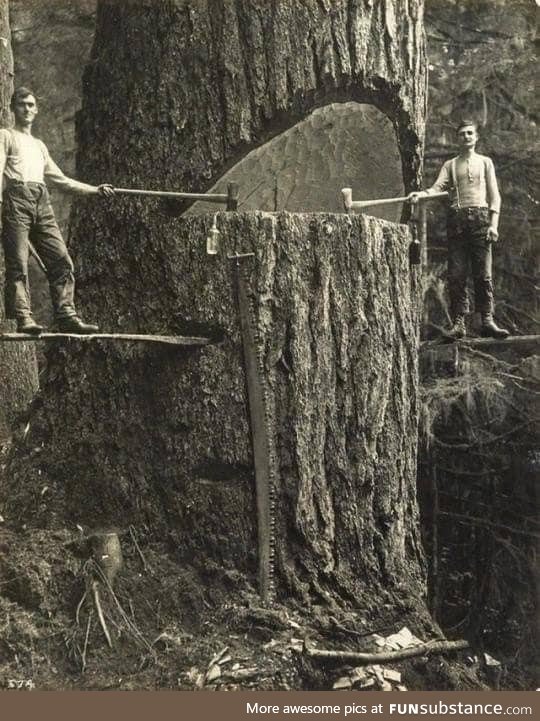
x,y
479,468
482,61
18,365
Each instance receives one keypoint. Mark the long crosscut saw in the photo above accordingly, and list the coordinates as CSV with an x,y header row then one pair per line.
x,y
261,430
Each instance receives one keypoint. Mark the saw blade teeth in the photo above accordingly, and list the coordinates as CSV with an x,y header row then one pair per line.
x,y
254,338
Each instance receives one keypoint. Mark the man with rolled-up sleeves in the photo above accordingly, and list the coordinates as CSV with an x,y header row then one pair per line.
x,y
27,215
472,228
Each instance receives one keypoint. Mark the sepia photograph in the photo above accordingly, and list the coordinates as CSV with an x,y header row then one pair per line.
x,y
270,349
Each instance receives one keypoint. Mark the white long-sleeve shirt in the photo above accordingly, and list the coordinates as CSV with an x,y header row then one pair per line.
x,y
25,158
472,183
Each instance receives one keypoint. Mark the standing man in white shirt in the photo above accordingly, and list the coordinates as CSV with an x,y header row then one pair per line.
x,y
27,215
472,227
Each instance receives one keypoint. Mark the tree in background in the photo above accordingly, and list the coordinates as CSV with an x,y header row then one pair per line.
x,y
482,63
18,367
479,463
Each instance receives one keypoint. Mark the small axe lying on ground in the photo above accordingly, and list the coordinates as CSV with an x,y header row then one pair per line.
x,y
417,216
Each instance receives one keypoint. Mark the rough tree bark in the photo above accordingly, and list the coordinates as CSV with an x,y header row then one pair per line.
x,y
214,79
18,367
176,92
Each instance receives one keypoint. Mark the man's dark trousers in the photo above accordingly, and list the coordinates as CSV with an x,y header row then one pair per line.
x,y
467,243
27,215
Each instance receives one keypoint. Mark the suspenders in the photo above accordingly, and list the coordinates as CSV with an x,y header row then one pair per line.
x,y
453,175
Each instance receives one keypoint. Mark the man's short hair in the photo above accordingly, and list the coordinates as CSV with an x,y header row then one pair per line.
x,y
20,94
466,121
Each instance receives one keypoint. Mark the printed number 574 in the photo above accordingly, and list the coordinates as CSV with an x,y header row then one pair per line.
x,y
25,683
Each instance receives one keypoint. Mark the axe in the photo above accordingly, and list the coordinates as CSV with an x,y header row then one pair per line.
x,y
230,199
350,204
417,217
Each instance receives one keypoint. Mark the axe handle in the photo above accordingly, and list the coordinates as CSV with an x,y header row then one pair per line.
x,y
230,198
209,197
378,201
351,204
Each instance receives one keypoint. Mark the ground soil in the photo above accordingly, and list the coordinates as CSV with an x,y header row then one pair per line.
x,y
175,627
172,627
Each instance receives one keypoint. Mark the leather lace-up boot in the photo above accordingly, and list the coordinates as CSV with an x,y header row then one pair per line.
x,y
458,330
28,325
490,329
73,324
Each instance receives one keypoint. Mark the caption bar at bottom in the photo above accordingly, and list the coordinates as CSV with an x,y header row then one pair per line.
x,y
433,709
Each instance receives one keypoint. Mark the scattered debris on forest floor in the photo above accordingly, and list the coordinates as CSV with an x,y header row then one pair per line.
x,y
174,627
374,676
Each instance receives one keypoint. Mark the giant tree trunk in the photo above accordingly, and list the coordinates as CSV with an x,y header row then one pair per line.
x,y
175,93
18,368
161,438
179,90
